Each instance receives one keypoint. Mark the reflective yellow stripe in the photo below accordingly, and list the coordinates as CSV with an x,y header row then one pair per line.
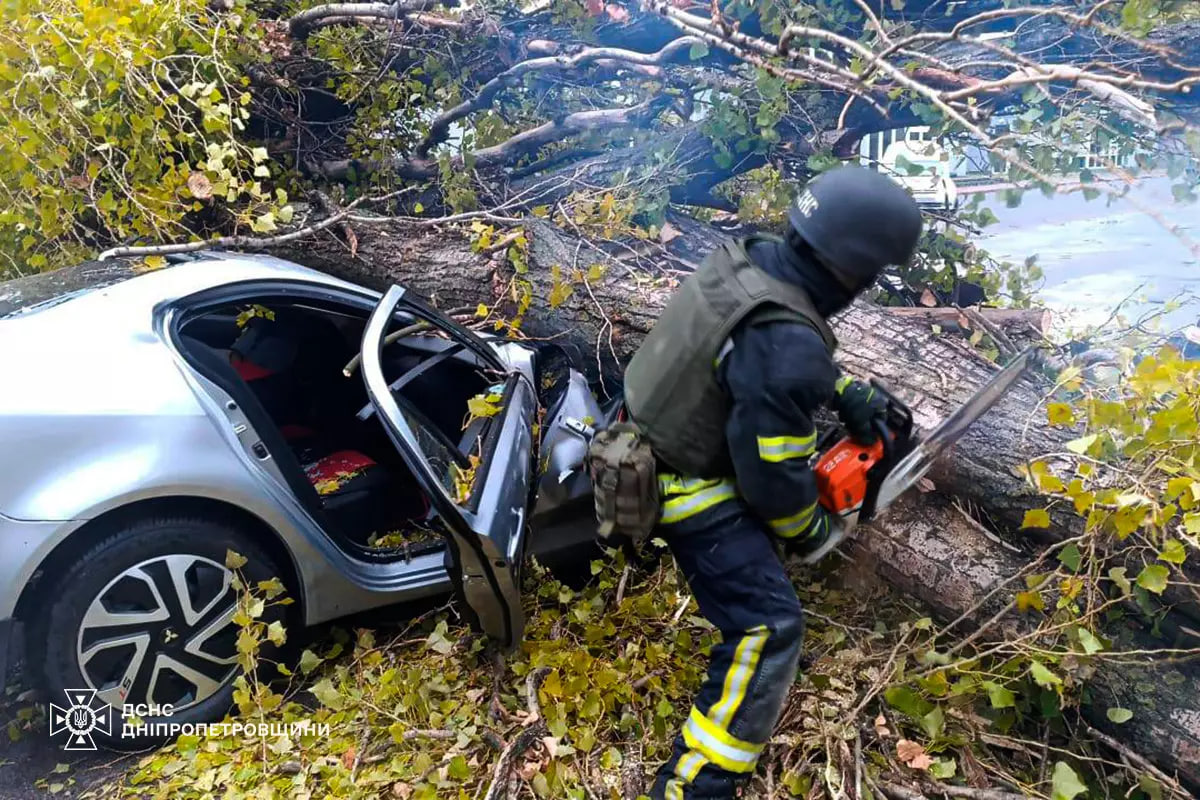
x,y
741,670
673,484
674,790
716,745
689,766
789,527
781,448
842,383
686,498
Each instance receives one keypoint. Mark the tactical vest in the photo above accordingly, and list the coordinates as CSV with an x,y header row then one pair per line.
x,y
671,387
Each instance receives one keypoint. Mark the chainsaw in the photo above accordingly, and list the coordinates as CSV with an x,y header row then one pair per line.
x,y
856,482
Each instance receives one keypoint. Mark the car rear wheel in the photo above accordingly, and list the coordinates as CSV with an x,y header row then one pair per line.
x,y
145,618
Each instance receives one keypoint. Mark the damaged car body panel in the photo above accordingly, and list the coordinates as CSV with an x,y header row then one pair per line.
x,y
223,384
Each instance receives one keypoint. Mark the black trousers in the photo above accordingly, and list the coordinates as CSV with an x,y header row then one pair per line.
x,y
732,568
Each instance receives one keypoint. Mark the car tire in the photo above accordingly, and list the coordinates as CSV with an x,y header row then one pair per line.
x,y
152,567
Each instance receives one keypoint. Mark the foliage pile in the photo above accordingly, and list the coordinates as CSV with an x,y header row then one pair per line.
x,y
433,712
126,119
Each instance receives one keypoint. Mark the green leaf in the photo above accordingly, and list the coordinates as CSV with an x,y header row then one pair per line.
x,y
999,696
309,661
328,695
1173,552
1117,576
1081,445
907,701
1119,715
1065,784
1036,518
1089,642
1150,786
438,641
933,723
1153,578
1070,557
798,784
276,633
1043,676
698,50
943,768
418,208
458,768
264,223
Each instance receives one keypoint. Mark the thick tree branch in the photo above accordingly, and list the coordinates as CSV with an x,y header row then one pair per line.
x,y
603,56
519,145
303,23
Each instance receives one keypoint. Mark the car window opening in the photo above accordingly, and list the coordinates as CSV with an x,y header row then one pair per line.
x,y
299,362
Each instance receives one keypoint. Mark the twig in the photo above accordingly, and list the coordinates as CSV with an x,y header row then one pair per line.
x,y
621,585
532,731
1139,760
969,792
858,766
898,792
998,336
362,745
424,733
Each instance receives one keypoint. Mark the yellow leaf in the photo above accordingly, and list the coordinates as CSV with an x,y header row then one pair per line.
x,y
1069,377
151,263
1036,518
1060,414
478,406
481,310
1049,483
1030,599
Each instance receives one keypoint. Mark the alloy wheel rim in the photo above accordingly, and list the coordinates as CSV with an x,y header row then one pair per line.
x,y
162,633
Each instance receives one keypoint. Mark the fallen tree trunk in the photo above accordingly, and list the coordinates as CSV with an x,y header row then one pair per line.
x,y
958,548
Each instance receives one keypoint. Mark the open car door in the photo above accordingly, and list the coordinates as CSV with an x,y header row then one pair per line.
x,y
478,486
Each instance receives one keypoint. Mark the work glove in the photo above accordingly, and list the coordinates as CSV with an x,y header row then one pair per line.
x,y
858,406
830,531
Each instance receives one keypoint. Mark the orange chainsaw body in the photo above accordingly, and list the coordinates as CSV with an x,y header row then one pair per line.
x,y
849,474
842,474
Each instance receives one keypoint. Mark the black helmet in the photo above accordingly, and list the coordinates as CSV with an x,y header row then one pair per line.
x,y
858,221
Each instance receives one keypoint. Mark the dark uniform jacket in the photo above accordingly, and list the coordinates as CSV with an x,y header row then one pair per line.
x,y
777,374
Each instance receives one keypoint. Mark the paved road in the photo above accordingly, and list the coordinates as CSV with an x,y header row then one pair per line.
x,y
1094,254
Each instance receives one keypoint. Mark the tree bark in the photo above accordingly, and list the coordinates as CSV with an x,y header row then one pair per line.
x,y
958,548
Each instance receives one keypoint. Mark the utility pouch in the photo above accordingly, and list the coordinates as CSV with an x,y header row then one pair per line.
x,y
625,481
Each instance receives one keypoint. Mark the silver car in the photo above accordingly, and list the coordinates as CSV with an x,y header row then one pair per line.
x,y
153,420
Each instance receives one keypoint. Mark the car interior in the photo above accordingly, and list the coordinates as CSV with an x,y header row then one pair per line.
x,y
292,366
